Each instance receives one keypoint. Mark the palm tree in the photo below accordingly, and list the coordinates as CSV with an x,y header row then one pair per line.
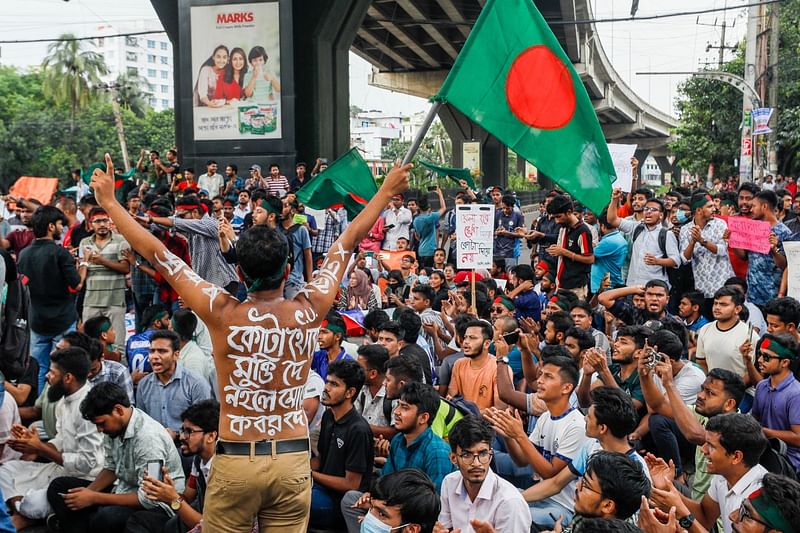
x,y
133,93
72,74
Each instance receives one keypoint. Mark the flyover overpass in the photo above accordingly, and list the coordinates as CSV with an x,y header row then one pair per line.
x,y
413,43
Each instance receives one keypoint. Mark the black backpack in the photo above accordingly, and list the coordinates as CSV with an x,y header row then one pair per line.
x,y
15,329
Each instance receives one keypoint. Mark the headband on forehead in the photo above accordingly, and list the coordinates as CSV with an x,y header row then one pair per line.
x,y
255,284
560,303
770,512
268,207
190,207
333,328
700,202
728,202
778,349
505,302
98,214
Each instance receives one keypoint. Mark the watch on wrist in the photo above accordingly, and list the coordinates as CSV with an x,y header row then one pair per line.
x,y
177,504
686,522
503,359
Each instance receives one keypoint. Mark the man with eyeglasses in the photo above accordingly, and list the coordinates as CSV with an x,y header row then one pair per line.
x,y
198,437
103,268
773,507
475,492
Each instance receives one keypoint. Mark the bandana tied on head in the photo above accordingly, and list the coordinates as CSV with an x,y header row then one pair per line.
x,y
266,206
505,302
543,265
778,349
770,512
255,284
333,328
701,202
560,303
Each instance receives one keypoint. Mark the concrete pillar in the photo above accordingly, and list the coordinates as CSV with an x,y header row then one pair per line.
x,y
640,154
494,154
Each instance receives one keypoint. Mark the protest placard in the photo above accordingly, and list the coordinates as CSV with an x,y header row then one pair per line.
x,y
474,236
792,251
749,234
621,155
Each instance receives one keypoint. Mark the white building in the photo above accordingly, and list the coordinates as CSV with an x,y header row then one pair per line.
x,y
651,174
370,131
149,56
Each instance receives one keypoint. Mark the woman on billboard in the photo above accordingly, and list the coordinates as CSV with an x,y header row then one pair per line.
x,y
231,82
206,86
261,85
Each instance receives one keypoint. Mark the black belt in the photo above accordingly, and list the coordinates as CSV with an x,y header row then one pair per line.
x,y
263,447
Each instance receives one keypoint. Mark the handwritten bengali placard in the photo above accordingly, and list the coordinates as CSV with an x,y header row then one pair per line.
x,y
749,234
474,236
792,251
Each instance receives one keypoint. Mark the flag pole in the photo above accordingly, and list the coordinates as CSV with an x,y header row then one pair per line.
x,y
426,124
474,303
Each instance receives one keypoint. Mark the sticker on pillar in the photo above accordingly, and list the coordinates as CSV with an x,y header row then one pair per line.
x,y
236,78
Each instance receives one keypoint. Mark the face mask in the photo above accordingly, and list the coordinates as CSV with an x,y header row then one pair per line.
x,y
423,280
371,524
681,216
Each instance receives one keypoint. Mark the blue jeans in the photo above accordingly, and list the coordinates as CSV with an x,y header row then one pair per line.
x,y
41,346
325,508
546,512
505,467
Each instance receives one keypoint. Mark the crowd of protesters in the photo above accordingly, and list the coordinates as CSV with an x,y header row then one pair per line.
x,y
638,374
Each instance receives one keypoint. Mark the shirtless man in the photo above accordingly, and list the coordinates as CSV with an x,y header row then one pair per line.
x,y
262,352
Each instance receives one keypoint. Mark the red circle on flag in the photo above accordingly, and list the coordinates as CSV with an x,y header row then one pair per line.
x,y
539,89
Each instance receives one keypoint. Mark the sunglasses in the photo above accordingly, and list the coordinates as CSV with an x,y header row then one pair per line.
x,y
746,514
498,309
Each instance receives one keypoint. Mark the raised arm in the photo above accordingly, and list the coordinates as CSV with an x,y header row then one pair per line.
x,y
611,212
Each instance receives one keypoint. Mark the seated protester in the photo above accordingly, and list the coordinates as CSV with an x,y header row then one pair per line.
x,y
132,440
331,334
346,450
198,437
100,327
313,408
405,369
369,402
414,446
775,507
556,440
577,343
609,421
687,377
508,328
413,341
25,389
9,417
445,370
690,310
474,491
403,501
502,306
154,318
719,342
783,316
41,416
555,328
622,372
101,370
372,323
192,357
422,297
475,376
527,303
76,450
392,336
656,298
777,400
734,444
756,317
171,388
581,314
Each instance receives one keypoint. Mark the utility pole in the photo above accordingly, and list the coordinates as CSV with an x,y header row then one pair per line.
x,y
722,44
746,155
772,92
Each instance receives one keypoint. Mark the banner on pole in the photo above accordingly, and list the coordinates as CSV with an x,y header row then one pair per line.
x,y
761,118
474,236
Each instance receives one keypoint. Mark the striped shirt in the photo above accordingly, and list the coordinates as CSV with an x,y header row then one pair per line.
x,y
105,287
206,256
277,187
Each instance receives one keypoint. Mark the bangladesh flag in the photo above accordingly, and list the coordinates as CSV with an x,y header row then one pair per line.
x,y
347,182
455,173
514,80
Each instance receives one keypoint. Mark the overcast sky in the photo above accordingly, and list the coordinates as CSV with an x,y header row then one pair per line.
x,y
672,44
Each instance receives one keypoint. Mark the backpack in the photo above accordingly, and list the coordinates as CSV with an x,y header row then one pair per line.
x,y
457,404
15,329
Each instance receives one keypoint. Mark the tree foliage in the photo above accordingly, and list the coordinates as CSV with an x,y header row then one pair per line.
x,y
789,88
35,136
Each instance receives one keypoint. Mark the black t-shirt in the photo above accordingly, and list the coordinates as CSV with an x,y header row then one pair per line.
x,y
30,377
577,239
346,444
417,351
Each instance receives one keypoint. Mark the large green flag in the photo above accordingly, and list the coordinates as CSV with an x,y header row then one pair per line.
x,y
514,80
455,173
347,183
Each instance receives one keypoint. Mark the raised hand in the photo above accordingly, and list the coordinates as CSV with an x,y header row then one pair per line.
x,y
103,183
396,181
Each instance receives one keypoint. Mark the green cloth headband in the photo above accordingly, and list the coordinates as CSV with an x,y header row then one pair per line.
x,y
728,202
255,284
333,328
778,349
770,512
268,207
505,302
701,202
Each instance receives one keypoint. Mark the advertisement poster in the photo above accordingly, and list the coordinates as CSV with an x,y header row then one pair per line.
x,y
236,74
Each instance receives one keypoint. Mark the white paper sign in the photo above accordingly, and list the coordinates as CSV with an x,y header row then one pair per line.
x,y
792,251
621,155
474,236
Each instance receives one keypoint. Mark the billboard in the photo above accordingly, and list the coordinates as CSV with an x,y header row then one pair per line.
x,y
236,72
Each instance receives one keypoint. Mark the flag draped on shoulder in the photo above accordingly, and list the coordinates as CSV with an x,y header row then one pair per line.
x,y
513,79
347,182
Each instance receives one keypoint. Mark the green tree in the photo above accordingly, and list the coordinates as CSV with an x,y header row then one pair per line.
x,y
133,93
789,88
72,74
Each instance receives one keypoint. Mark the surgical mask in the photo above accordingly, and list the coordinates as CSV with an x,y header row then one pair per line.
x,y
422,280
371,524
681,216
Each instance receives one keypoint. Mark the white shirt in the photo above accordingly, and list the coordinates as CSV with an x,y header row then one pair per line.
x,y
498,502
193,358
313,389
647,242
371,407
730,499
720,349
688,381
212,183
561,437
78,440
401,218
9,415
